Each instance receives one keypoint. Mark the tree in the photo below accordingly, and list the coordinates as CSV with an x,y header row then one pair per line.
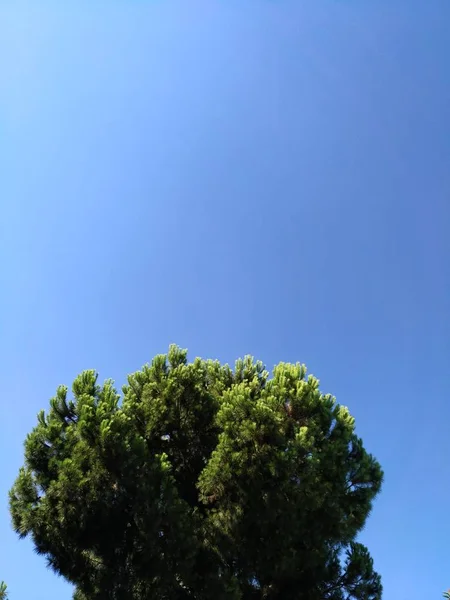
x,y
203,483
3,591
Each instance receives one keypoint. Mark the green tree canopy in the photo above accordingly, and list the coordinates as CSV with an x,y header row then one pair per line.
x,y
202,482
3,591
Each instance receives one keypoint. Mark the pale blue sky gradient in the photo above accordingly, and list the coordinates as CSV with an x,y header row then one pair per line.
x,y
252,176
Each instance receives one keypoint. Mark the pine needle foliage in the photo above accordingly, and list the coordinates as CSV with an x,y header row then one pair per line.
x,y
201,482
3,591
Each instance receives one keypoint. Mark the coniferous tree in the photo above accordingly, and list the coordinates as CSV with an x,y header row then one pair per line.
x,y
203,483
3,591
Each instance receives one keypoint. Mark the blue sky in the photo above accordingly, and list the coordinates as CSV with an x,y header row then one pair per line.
x,y
264,177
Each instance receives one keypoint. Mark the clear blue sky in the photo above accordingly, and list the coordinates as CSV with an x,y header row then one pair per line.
x,y
264,177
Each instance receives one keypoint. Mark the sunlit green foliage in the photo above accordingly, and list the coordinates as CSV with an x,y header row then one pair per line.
x,y
202,482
